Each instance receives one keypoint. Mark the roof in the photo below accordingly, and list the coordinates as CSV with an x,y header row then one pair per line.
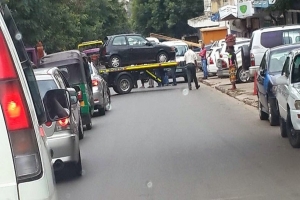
x,y
174,42
91,50
213,29
46,70
278,27
124,35
60,56
286,46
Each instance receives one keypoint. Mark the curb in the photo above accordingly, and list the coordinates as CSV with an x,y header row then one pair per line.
x,y
233,94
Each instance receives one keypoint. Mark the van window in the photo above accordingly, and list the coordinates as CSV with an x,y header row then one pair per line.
x,y
181,49
296,70
271,39
291,36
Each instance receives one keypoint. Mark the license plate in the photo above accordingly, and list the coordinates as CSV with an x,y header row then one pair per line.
x,y
178,70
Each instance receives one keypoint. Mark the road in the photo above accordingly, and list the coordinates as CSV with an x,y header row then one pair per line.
x,y
164,144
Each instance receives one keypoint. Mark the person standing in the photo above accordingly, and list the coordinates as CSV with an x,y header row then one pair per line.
x,y
202,54
190,59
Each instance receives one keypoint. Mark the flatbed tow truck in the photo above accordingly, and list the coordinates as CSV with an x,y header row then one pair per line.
x,y
123,79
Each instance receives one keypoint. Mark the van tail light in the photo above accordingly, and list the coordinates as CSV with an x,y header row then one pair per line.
x,y
95,82
224,64
48,124
63,124
20,130
211,62
79,95
252,58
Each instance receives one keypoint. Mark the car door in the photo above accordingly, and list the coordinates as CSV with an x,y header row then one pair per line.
x,y
261,82
283,90
140,50
120,47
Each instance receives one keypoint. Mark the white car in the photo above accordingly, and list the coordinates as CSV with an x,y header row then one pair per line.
x,y
288,98
265,38
26,171
212,58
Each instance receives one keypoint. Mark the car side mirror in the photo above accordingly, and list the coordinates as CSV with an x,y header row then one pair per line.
x,y
73,95
57,104
281,80
148,44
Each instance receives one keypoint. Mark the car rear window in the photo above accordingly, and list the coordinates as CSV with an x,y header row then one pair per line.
x,y
72,73
271,39
46,85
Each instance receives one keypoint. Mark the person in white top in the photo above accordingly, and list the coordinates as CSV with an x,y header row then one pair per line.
x,y
190,58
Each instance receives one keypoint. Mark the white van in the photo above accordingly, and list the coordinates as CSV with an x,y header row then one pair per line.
x,y
26,171
181,48
265,38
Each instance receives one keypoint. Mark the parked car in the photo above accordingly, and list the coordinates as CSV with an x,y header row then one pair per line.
x,y
265,38
101,92
63,135
181,48
270,68
153,40
212,58
288,98
131,49
242,75
26,170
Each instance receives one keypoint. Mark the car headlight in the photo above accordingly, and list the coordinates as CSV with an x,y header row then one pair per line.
x,y
297,104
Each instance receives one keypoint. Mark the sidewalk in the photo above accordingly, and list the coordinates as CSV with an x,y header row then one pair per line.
x,y
243,93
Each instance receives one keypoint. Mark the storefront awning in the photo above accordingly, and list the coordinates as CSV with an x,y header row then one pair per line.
x,y
228,13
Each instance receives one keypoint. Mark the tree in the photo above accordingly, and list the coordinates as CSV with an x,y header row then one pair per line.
x,y
281,7
165,16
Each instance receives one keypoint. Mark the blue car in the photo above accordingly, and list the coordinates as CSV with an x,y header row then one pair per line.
x,y
270,68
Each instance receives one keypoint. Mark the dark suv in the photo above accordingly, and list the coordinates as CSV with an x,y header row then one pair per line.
x,y
130,49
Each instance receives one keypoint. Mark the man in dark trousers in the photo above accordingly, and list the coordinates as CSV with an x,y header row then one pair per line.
x,y
190,59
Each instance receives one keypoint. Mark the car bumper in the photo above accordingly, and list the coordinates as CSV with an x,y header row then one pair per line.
x,y
98,101
253,70
212,68
65,146
295,117
180,72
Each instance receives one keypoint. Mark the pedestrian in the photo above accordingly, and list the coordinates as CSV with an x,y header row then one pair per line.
x,y
190,59
232,67
151,83
202,54
173,72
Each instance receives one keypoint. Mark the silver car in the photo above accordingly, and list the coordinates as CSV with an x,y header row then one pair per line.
x,y
63,135
101,92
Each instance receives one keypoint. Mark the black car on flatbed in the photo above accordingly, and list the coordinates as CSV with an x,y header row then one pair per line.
x,y
131,49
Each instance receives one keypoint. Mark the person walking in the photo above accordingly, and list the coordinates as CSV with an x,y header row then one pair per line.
x,y
190,59
202,54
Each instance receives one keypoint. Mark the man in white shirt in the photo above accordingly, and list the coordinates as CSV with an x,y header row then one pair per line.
x,y
190,58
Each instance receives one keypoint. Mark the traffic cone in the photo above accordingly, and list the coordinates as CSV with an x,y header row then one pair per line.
x,y
255,84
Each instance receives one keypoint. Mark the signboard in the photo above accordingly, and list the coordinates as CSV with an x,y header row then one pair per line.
x,y
245,9
226,11
260,4
272,2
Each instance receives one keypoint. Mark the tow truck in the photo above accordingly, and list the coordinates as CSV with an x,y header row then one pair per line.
x,y
123,79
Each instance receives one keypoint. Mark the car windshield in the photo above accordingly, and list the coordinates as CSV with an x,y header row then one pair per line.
x,y
277,58
46,85
72,73
181,49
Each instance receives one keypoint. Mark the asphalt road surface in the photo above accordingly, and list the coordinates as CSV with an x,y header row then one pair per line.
x,y
166,144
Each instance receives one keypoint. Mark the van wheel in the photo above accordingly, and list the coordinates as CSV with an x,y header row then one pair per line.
x,y
89,125
78,166
124,84
282,127
293,135
80,129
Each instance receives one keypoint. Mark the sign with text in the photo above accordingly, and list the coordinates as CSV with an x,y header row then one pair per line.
x,y
226,11
260,4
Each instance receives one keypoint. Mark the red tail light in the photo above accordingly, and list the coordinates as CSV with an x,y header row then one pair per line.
x,y
221,55
95,82
252,59
48,124
79,95
224,64
211,62
63,124
16,113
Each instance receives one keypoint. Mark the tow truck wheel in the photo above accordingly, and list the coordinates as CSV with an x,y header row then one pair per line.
x,y
114,61
124,84
162,57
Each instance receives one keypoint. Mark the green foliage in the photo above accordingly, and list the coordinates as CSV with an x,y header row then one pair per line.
x,y
165,16
283,5
62,24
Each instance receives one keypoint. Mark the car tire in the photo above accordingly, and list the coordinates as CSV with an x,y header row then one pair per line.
x,y
124,84
114,61
282,127
78,166
242,75
273,115
90,124
262,114
101,111
245,51
116,89
293,135
108,104
162,57
80,130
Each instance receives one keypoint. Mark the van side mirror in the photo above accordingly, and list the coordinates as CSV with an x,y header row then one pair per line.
x,y
57,104
281,80
73,95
